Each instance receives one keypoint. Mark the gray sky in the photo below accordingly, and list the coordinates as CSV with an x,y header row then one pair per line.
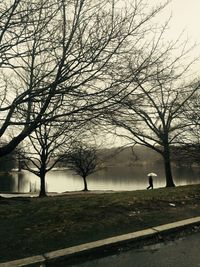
x,y
185,20
185,15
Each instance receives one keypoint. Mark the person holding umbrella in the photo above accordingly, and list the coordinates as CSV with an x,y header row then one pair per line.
x,y
150,175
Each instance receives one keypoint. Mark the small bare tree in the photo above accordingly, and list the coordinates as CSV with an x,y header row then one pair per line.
x,y
82,160
190,138
45,148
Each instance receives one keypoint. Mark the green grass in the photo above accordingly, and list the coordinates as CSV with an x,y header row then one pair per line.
x,y
31,226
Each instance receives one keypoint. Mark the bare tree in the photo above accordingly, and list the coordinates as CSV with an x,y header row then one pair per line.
x,y
189,141
186,154
152,115
45,148
83,160
59,54
191,113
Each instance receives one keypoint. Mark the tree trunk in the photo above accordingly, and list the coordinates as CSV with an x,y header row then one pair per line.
x,y
85,184
42,185
168,170
19,165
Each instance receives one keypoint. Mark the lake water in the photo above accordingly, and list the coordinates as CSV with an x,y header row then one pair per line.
x,y
112,178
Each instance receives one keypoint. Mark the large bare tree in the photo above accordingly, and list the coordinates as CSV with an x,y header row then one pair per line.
x,y
152,114
59,54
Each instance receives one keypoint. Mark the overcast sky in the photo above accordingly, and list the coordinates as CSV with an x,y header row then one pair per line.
x,y
185,15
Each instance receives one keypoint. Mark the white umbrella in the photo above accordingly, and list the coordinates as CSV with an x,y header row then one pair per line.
x,y
152,174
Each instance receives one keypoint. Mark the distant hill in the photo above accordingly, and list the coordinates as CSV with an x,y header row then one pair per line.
x,y
128,156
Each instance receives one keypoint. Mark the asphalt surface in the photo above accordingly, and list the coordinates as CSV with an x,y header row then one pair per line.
x,y
183,252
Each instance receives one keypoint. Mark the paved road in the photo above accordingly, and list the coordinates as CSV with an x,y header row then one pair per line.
x,y
183,252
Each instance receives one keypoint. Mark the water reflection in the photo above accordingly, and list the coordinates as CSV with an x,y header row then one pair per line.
x,y
7,182
115,178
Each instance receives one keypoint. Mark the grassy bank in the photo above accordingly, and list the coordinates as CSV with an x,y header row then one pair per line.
x,y
31,226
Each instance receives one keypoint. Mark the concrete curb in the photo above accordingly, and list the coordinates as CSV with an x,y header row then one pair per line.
x,y
87,248
34,261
